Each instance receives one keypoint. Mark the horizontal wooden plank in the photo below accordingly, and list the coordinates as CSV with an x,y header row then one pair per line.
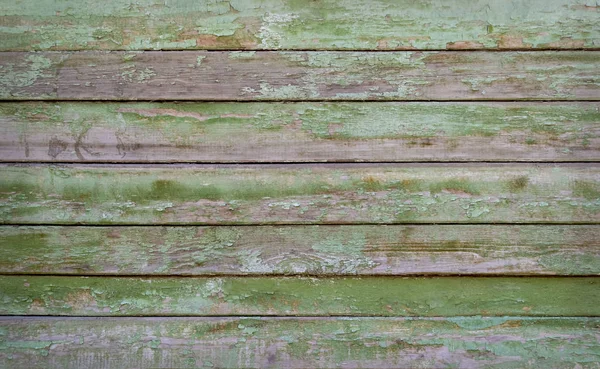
x,y
202,75
308,132
299,296
465,342
304,250
299,194
271,24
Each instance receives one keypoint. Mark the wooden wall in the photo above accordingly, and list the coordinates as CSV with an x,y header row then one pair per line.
x,y
299,184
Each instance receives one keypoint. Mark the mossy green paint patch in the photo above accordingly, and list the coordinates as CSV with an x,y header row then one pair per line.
x,y
586,189
459,185
306,194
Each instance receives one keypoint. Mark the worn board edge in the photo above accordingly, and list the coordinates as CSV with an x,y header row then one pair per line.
x,y
244,342
298,132
299,296
307,76
255,25
302,250
173,194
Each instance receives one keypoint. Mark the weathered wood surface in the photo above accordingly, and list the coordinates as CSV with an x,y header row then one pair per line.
x,y
299,296
328,278
280,132
271,24
299,194
302,250
462,342
236,75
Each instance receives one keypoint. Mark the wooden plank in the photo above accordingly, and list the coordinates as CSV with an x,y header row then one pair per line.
x,y
303,250
235,75
271,24
299,296
299,194
465,342
308,132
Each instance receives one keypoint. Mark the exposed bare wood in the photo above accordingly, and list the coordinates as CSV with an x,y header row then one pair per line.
x,y
464,342
197,75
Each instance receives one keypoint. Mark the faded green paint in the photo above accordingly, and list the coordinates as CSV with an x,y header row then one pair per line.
x,y
311,194
14,77
587,189
508,342
291,24
345,296
308,194
303,250
237,132
316,75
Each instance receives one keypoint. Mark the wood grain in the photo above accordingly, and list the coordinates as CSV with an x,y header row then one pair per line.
x,y
465,342
307,132
189,261
299,194
302,250
299,296
272,24
250,76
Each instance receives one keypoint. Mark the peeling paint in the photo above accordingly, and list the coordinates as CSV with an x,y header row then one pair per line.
x,y
313,195
324,342
254,24
26,73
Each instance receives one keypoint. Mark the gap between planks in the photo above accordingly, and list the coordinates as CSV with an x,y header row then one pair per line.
x,y
503,50
275,163
292,101
332,224
307,165
319,276
3,318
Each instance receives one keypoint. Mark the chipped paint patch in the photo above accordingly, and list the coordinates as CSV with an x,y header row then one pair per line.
x,y
241,54
132,75
270,33
26,73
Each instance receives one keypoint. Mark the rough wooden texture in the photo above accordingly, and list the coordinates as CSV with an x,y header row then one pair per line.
x,y
235,75
304,250
305,194
325,276
340,296
280,132
462,342
291,24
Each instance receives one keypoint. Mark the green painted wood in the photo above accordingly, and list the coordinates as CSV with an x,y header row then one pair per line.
x,y
303,250
305,194
291,24
299,296
250,76
463,342
280,132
